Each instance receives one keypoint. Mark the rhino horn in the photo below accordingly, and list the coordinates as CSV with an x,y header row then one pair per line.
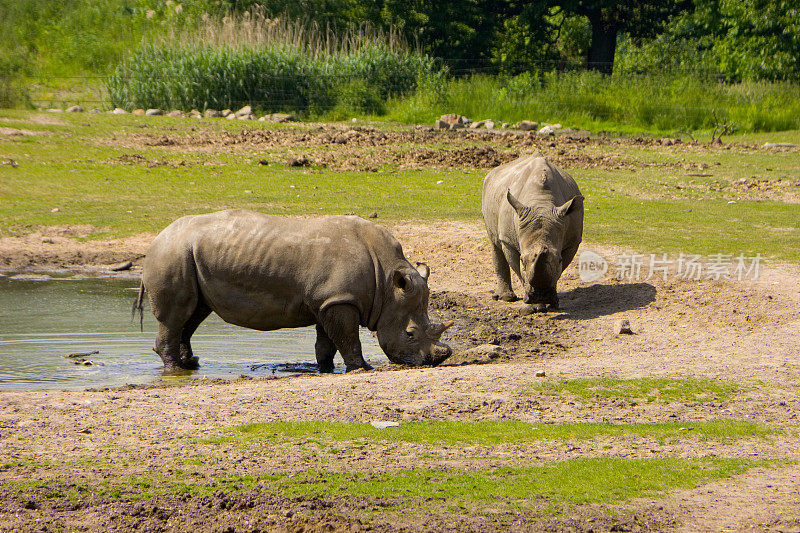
x,y
435,331
423,270
518,206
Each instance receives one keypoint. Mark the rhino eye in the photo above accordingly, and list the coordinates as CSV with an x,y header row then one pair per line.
x,y
410,333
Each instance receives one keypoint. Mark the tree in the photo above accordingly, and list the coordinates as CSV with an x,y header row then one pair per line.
x,y
609,18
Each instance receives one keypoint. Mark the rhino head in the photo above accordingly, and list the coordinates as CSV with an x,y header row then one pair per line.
x,y
405,333
541,238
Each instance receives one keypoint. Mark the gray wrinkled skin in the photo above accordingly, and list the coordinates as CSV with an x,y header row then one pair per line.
x,y
268,272
534,218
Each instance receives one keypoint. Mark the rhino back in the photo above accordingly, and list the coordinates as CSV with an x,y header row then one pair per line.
x,y
267,272
524,177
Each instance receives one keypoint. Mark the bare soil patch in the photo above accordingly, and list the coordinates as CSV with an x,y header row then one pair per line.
x,y
363,148
743,332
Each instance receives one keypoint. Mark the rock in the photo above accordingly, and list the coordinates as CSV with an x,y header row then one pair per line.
x,y
263,162
504,125
232,116
283,117
138,112
540,373
245,111
545,131
555,126
452,118
489,124
55,110
119,111
485,353
154,112
301,161
125,265
48,240
780,145
383,424
80,355
478,124
457,126
195,113
667,142
212,113
226,112
741,181
96,110
55,210
246,117
373,215
527,125
441,125
176,113
75,109
622,327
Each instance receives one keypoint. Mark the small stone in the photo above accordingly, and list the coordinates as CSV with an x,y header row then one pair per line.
x,y
280,118
176,113
540,373
154,112
489,124
55,210
373,215
452,118
48,240
741,181
247,117
55,110
457,126
477,124
383,424
245,111
195,113
125,265
96,110
667,142
119,111
527,125
248,191
139,112
622,327
545,131
212,113
263,162
301,161
441,125
75,109
504,126
232,116
226,112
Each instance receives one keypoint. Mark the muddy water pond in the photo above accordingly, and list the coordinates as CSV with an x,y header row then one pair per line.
x,y
43,319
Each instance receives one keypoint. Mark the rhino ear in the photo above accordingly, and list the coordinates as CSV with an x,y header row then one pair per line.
x,y
423,270
569,206
401,280
518,206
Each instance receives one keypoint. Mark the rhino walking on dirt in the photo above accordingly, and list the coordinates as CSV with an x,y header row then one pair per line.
x,y
268,272
534,217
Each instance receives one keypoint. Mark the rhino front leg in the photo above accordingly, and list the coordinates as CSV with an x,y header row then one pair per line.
x,y
325,349
340,324
501,268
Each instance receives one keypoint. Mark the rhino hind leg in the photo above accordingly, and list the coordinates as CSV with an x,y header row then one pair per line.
x,y
501,268
187,358
325,349
175,330
340,325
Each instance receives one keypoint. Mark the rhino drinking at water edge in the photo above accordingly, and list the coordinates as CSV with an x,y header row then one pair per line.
x,y
268,272
534,217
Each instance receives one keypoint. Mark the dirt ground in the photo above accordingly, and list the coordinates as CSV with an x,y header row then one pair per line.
x,y
746,332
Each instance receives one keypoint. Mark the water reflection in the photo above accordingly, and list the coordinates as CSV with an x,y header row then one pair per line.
x,y
43,320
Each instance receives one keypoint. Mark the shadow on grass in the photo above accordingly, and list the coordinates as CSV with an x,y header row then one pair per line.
x,y
598,300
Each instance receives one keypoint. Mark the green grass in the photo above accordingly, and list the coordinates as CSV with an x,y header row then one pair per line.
x,y
625,102
663,390
76,168
538,488
486,433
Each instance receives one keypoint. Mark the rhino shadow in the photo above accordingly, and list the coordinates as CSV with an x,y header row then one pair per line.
x,y
598,300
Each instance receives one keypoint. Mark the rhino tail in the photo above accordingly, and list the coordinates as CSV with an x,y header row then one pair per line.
x,y
138,305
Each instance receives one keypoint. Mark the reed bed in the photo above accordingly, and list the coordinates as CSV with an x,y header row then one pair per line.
x,y
270,64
